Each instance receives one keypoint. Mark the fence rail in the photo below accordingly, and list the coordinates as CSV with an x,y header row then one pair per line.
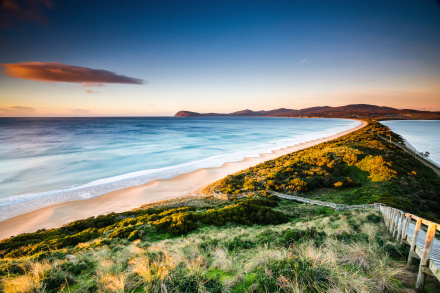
x,y
406,227
338,207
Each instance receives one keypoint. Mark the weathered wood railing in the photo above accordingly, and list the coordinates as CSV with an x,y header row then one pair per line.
x,y
408,228
335,206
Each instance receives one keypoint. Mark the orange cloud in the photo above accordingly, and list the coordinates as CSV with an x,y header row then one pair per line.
x,y
57,72
91,92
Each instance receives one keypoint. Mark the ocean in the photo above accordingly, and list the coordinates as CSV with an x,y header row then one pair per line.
x,y
45,161
423,135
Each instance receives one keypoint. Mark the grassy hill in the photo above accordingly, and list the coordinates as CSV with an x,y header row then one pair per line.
x,y
357,168
255,244
316,250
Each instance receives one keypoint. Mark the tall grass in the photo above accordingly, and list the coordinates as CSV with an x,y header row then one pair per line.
x,y
231,259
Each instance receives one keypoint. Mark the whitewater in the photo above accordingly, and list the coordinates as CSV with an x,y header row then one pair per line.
x,y
46,161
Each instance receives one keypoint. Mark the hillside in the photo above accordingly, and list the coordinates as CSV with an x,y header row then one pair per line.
x,y
204,244
354,169
349,111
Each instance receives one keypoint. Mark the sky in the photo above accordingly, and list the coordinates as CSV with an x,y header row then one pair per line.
x,y
154,58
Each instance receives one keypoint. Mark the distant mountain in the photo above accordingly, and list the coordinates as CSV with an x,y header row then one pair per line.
x,y
349,111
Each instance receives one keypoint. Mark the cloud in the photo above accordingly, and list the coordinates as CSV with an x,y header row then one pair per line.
x,y
372,80
17,111
93,85
91,92
80,111
302,61
57,72
16,11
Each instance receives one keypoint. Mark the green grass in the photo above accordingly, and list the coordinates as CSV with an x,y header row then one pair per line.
x,y
358,168
347,250
255,244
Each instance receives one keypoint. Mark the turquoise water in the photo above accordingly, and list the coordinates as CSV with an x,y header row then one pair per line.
x,y
51,160
423,135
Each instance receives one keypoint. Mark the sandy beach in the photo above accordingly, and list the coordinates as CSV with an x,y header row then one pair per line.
x,y
133,197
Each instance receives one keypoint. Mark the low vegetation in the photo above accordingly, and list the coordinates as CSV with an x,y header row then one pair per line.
x,y
358,168
254,244
317,250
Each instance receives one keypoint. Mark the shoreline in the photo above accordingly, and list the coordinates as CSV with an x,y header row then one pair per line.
x,y
182,185
411,148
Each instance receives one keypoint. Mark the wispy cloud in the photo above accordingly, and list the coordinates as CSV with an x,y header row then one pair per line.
x,y
58,72
17,111
93,85
92,92
372,80
80,111
303,61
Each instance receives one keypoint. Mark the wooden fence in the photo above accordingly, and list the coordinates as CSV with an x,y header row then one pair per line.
x,y
406,227
338,207
410,229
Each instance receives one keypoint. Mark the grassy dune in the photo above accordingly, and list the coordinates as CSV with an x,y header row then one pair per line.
x,y
318,250
255,244
357,168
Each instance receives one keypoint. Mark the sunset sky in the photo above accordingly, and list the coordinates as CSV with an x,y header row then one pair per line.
x,y
123,58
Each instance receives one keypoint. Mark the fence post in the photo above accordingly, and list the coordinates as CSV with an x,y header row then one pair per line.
x,y
425,256
388,217
414,241
393,217
399,232
385,215
405,230
396,223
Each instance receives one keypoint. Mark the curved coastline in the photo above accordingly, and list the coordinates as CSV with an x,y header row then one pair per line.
x,y
189,183
15,205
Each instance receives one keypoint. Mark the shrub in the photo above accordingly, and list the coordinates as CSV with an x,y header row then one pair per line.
x,y
239,244
245,213
54,279
177,224
292,270
399,252
373,218
181,280
378,168
352,237
121,232
77,268
9,267
293,235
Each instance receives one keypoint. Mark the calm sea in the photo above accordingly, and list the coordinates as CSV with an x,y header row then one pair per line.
x,y
423,135
50,160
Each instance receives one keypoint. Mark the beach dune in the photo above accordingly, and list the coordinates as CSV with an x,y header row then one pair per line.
x,y
133,197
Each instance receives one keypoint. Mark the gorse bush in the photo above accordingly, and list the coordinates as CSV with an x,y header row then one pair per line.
x,y
232,258
134,225
357,168
245,213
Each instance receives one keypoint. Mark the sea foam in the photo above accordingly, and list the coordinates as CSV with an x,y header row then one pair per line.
x,y
19,204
